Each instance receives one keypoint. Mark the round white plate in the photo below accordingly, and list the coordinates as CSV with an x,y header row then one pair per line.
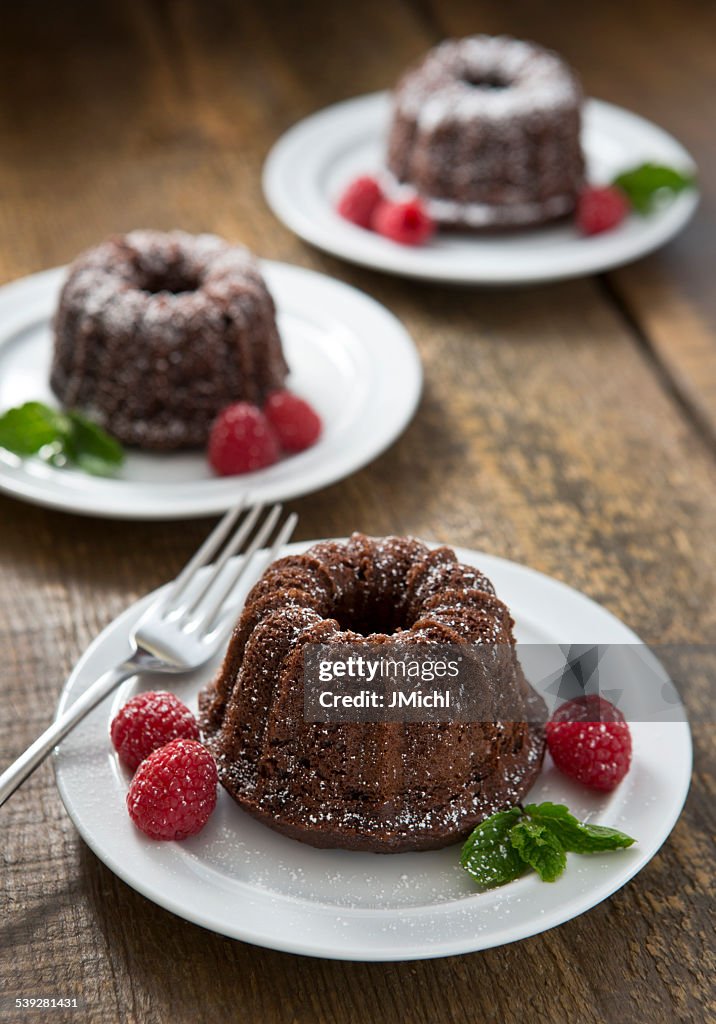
x,y
350,357
244,880
313,162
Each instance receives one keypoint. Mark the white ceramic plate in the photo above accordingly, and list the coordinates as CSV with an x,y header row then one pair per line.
x,y
241,879
312,162
350,357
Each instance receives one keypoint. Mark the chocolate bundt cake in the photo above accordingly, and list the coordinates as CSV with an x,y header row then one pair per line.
x,y
384,787
156,332
486,130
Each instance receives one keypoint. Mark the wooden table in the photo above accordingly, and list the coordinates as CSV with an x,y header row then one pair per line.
x,y
570,427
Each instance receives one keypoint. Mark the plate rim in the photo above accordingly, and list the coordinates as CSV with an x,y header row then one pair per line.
x,y
49,493
672,220
376,953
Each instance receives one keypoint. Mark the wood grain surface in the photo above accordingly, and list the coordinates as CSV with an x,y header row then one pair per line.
x,y
571,427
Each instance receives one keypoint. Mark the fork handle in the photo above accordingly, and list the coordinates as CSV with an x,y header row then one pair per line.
x,y
15,775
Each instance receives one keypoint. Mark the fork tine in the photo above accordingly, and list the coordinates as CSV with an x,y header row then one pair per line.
x,y
258,539
233,546
283,536
210,614
162,644
204,553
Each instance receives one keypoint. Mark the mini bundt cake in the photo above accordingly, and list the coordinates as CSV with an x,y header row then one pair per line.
x,y
487,131
384,787
156,332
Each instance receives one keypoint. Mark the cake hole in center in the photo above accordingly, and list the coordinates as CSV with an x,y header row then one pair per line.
x,y
175,282
165,271
491,82
384,620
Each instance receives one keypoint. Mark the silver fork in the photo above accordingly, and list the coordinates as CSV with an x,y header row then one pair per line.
x,y
182,629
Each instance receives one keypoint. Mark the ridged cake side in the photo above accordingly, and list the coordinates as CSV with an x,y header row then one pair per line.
x,y
487,131
156,332
383,787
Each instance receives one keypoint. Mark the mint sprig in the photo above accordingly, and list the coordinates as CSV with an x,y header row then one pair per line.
x,y
28,428
488,854
537,836
574,835
60,438
539,847
646,184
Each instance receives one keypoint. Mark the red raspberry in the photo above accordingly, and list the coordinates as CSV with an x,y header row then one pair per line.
x,y
407,223
357,204
589,740
297,425
174,791
242,440
147,722
601,209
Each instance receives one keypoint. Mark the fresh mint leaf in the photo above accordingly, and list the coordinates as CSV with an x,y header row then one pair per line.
x,y
537,836
60,438
645,184
574,835
95,467
30,427
540,848
91,448
488,856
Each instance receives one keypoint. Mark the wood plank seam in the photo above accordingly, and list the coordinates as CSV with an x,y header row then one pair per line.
x,y
700,424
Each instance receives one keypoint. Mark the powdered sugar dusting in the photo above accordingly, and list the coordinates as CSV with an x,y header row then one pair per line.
x,y
156,332
481,215
370,786
486,131
446,86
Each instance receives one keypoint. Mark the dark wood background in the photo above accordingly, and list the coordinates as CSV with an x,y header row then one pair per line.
x,y
570,427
